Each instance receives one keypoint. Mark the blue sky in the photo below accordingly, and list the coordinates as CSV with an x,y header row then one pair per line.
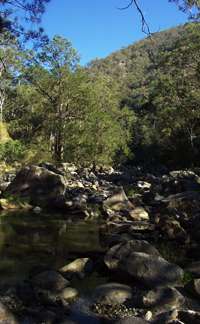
x,y
97,28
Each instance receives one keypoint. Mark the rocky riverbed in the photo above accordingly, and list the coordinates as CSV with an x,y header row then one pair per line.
x,y
138,263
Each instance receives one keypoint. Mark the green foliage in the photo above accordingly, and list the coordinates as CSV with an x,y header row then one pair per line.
x,y
61,112
11,151
141,102
159,81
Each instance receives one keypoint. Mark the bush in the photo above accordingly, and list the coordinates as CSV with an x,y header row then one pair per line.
x,y
11,151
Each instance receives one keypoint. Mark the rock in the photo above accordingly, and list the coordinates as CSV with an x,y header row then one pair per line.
x,y
149,269
197,286
50,280
194,268
117,201
112,293
121,251
152,270
50,167
139,213
189,317
131,320
37,210
69,294
144,185
170,317
148,316
41,186
79,267
4,185
6,317
163,299
182,199
173,229
5,204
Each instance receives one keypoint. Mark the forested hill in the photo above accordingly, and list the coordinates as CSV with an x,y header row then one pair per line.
x,y
159,80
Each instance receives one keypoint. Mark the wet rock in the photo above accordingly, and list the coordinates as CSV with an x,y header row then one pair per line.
x,y
112,293
50,280
78,267
6,317
163,299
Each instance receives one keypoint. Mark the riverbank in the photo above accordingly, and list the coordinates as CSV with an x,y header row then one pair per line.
x,y
126,245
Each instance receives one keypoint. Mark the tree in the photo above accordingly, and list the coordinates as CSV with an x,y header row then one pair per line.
x,y
77,116
16,16
175,98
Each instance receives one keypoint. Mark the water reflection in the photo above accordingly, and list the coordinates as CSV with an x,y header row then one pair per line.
x,y
29,240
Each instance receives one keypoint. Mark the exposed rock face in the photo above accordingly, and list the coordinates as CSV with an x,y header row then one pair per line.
x,y
150,268
41,186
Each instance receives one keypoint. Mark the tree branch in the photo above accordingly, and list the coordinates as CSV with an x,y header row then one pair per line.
x,y
145,26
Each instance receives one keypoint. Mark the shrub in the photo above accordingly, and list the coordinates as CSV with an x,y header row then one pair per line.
x,y
11,151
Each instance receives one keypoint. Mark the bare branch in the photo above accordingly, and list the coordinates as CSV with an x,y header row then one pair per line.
x,y
145,26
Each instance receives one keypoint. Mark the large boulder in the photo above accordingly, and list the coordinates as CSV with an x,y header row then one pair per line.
x,y
40,186
144,264
122,251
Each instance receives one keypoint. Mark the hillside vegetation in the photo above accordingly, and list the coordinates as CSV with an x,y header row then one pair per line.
x,y
159,81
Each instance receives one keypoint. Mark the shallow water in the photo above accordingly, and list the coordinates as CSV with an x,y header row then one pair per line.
x,y
29,241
